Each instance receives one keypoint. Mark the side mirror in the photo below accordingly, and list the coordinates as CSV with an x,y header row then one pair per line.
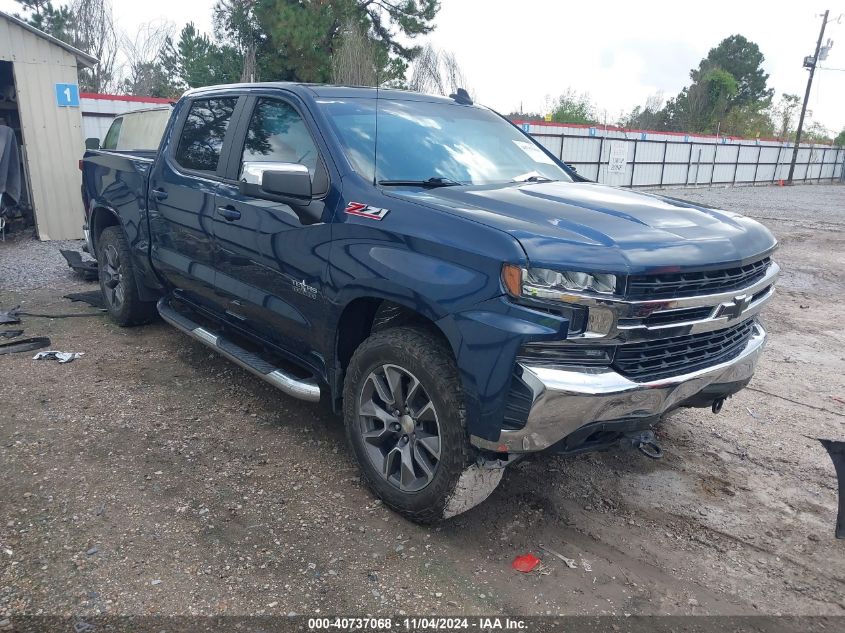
x,y
291,183
288,183
92,143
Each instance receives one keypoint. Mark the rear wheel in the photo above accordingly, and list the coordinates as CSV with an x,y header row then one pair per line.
x,y
405,422
117,280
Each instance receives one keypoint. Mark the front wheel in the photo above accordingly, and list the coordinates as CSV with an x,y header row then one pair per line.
x,y
405,421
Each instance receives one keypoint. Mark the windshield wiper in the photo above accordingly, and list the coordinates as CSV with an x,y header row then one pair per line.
x,y
431,183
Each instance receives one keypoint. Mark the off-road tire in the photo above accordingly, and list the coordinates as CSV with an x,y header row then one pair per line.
x,y
430,360
114,256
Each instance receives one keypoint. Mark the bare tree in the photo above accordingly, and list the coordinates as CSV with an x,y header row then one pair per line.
x,y
93,31
354,61
143,72
437,72
784,113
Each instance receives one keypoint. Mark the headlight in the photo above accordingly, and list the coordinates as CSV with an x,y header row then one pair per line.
x,y
543,283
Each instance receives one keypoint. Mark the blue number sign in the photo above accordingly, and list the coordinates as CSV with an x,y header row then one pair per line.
x,y
67,95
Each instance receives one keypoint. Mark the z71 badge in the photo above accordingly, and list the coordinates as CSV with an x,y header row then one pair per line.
x,y
366,211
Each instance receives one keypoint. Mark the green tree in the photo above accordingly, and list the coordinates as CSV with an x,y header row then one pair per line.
x,y
571,107
840,138
702,106
236,24
744,61
751,120
194,60
301,36
41,14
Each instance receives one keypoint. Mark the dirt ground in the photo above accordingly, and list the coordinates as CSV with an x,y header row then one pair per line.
x,y
151,476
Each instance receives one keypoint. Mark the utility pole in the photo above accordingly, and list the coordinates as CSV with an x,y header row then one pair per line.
x,y
812,66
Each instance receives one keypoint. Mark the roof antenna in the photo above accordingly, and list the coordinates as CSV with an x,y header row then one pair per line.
x,y
462,97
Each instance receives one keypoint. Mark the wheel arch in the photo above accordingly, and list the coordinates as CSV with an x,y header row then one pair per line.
x,y
101,217
372,313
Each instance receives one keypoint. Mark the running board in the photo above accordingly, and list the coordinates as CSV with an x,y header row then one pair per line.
x,y
304,389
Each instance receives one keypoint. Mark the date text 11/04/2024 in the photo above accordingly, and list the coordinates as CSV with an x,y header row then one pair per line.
x,y
416,624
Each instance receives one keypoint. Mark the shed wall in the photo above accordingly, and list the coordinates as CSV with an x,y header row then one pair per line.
x,y
52,135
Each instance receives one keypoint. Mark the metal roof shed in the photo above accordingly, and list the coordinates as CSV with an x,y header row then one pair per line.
x,y
52,134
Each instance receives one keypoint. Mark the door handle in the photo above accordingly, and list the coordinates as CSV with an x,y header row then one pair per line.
x,y
229,213
159,194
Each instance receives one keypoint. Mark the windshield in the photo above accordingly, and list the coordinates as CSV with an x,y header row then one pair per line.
x,y
421,141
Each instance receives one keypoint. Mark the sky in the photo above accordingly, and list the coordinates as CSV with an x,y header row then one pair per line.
x,y
523,51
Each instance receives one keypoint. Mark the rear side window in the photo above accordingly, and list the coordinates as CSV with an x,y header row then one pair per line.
x,y
110,142
203,133
142,131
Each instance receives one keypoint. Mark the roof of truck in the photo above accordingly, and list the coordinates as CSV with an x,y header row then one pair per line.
x,y
329,91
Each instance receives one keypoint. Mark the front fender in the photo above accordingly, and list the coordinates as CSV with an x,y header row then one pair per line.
x,y
485,340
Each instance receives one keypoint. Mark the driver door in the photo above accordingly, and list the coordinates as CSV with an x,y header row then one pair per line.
x,y
269,265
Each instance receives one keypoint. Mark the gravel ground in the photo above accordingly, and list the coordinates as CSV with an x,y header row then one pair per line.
x,y
151,476
27,263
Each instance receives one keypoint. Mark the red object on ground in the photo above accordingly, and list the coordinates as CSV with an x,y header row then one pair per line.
x,y
525,563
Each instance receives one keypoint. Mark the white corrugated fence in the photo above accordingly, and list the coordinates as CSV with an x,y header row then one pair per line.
x,y
653,159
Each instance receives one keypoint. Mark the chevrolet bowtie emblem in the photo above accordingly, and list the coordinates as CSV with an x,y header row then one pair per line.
x,y
735,308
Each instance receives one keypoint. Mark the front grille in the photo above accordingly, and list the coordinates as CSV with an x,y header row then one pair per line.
x,y
678,316
678,355
673,285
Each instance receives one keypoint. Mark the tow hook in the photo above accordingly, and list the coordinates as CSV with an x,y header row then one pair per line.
x,y
645,442
717,405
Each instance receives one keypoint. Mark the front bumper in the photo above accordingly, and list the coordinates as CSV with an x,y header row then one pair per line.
x,y
565,400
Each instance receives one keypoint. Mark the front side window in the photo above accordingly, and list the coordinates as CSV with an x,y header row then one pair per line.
x,y
203,133
419,140
278,134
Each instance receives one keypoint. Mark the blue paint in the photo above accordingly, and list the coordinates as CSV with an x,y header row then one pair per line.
x,y
67,95
438,252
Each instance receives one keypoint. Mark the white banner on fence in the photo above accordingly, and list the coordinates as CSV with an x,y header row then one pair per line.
x,y
618,157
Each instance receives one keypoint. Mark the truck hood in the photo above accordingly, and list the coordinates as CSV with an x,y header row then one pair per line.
x,y
598,228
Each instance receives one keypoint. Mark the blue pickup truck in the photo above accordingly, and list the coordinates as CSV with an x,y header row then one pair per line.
x,y
433,273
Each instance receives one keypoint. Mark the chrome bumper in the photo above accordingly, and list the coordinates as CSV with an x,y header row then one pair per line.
x,y
564,400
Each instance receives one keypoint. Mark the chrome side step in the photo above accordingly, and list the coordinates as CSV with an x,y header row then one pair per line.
x,y
304,389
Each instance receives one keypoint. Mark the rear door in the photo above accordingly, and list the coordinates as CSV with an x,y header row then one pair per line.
x,y
270,266
182,189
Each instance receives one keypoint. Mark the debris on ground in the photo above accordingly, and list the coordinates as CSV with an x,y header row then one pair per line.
x,y
10,317
86,268
570,562
11,333
25,345
62,357
94,298
525,563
